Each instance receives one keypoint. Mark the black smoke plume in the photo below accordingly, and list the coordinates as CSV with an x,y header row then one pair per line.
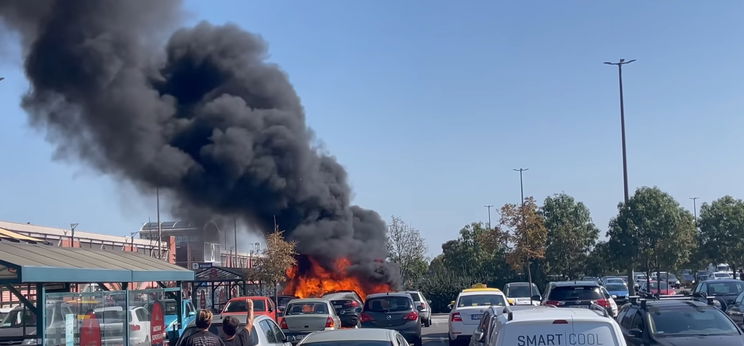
x,y
203,115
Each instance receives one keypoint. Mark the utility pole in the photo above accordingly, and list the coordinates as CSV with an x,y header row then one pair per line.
x,y
694,208
524,225
489,206
235,239
72,234
619,65
160,229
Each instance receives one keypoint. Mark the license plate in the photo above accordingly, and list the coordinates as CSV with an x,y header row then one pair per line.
x,y
476,317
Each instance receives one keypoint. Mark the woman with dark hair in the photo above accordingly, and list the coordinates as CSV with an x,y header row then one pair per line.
x,y
203,337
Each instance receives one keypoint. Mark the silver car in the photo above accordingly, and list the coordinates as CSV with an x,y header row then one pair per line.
x,y
304,316
355,337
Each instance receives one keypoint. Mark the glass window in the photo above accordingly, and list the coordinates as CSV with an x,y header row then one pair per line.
x,y
628,318
416,297
521,291
739,299
241,306
691,321
725,288
481,300
401,340
277,331
637,321
268,332
385,304
307,308
616,287
575,293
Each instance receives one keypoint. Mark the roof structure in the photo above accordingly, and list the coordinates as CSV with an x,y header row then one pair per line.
x,y
214,274
34,263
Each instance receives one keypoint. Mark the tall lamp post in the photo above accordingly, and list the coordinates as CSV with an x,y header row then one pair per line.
x,y
524,224
72,234
694,208
489,206
619,65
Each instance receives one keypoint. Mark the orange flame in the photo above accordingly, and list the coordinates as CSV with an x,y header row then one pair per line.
x,y
317,280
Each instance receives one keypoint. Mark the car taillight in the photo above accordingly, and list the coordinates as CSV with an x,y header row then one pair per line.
x,y
134,327
455,317
553,302
603,303
560,322
283,324
352,304
365,317
411,316
330,323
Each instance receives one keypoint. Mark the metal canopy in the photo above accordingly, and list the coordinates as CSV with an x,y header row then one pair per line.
x,y
217,274
27,263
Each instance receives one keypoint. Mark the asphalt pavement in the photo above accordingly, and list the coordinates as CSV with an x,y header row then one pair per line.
x,y
436,334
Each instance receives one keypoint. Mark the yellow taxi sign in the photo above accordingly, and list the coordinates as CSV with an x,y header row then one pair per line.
x,y
486,289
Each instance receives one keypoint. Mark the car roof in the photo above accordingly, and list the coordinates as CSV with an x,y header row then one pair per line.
x,y
480,290
574,283
520,283
250,297
676,302
722,281
389,294
308,300
367,334
544,313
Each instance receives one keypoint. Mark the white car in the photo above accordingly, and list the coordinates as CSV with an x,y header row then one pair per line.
x,y
555,327
467,310
265,331
112,319
361,336
721,276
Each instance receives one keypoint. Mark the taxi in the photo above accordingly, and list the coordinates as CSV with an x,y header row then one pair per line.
x,y
467,310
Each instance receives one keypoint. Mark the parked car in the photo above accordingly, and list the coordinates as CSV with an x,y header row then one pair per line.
x,y
577,294
20,318
112,320
265,331
657,288
423,306
549,326
592,278
348,306
483,333
393,311
725,291
735,310
304,316
467,310
619,290
263,306
355,337
519,293
667,277
720,276
677,322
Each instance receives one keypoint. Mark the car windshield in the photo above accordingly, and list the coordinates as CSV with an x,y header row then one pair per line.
x,y
350,343
481,300
521,291
725,288
110,315
240,306
387,304
721,275
616,287
307,308
702,321
575,293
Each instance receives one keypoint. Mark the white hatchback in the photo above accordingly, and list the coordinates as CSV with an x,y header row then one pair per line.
x,y
555,327
467,310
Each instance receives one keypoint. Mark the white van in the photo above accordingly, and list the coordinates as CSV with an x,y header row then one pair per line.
x,y
547,326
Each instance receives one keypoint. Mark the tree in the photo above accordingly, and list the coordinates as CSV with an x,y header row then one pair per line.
x,y
652,231
722,231
528,232
277,258
406,247
571,235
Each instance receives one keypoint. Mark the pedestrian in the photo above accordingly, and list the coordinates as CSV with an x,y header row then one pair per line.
x,y
202,337
244,336
741,274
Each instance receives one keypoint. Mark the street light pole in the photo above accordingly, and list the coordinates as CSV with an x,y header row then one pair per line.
x,y
489,206
160,229
72,234
524,224
619,65
694,208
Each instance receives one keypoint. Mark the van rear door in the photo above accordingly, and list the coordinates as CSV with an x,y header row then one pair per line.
x,y
559,333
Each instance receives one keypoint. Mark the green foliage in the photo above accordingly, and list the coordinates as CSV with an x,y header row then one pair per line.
x,y
722,231
652,231
528,232
571,235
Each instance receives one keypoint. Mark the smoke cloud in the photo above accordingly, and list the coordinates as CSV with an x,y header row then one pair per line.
x,y
201,114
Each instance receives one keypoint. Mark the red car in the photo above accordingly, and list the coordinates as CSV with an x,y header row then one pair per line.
x,y
261,306
665,290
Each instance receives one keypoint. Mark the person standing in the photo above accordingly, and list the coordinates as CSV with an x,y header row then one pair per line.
x,y
202,337
244,336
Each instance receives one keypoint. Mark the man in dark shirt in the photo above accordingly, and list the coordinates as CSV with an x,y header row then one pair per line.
x,y
236,336
202,337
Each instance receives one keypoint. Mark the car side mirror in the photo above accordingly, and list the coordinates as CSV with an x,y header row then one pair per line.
x,y
636,333
479,335
419,308
449,306
613,296
428,301
537,298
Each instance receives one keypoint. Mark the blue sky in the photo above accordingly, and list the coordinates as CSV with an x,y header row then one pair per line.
x,y
431,104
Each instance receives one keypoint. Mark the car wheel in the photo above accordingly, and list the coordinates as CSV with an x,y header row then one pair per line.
x,y
428,322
